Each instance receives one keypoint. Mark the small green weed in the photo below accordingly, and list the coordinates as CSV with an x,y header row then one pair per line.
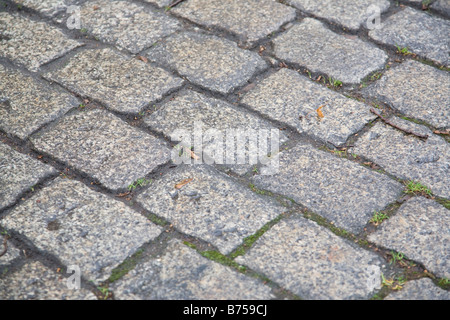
x,y
413,187
378,217
139,183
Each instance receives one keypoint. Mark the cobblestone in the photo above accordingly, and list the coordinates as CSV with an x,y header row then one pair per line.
x,y
313,262
408,157
121,83
104,147
31,43
423,37
420,230
211,62
18,174
348,13
424,96
122,23
289,97
27,103
81,227
312,45
316,180
211,206
91,118
248,19
181,273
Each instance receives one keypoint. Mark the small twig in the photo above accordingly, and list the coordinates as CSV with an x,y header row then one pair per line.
x,y
5,245
397,127
173,4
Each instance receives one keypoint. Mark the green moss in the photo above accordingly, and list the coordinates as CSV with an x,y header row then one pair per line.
x,y
125,266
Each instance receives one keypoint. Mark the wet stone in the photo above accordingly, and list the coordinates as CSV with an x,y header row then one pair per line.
x,y
339,190
418,31
81,227
121,83
18,174
27,103
211,206
34,281
408,157
126,25
211,62
289,97
419,230
250,20
103,146
31,43
344,58
423,96
348,13
183,274
422,289
190,111
314,263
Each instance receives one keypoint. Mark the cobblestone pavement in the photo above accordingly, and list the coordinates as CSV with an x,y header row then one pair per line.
x,y
94,205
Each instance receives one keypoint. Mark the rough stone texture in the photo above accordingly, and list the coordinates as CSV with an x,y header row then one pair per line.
x,y
442,6
421,230
425,94
183,274
420,32
189,108
121,83
248,19
351,14
18,173
31,43
47,7
103,146
422,289
341,191
26,103
34,281
312,45
314,263
81,227
213,206
289,97
408,157
11,253
126,25
211,62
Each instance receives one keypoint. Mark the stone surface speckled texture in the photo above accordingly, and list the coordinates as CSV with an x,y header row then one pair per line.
x,y
121,83
211,62
27,104
408,157
81,227
297,190
289,97
310,44
425,37
347,197
191,111
181,273
313,262
419,230
248,19
425,96
18,174
35,281
212,206
31,43
125,24
104,147
349,13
